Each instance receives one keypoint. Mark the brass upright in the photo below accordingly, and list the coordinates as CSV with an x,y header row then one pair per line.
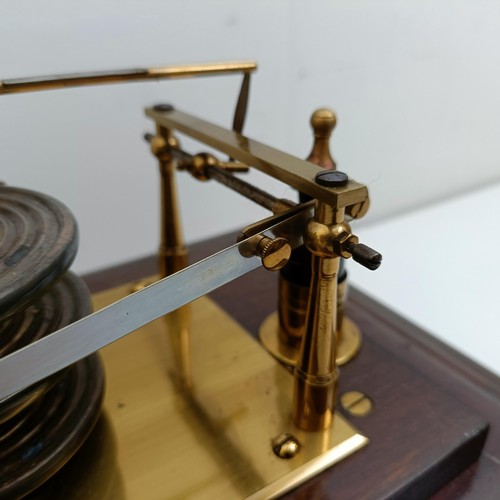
x,y
315,381
328,237
172,253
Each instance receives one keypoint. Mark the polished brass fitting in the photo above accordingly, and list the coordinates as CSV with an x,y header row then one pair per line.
x,y
273,252
199,166
329,240
162,144
315,376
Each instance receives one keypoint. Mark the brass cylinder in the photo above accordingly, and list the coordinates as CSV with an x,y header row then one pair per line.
x,y
172,253
315,377
315,380
292,306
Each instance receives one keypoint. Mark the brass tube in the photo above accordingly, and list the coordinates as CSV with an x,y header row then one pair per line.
x,y
172,257
33,84
315,381
173,254
315,377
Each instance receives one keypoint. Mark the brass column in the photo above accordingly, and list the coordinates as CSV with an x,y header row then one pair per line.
x,y
315,378
172,253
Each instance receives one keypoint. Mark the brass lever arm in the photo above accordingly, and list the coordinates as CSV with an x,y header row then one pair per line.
x,y
205,166
32,84
297,173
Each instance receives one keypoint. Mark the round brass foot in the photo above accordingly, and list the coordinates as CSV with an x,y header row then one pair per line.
x,y
348,346
269,336
349,342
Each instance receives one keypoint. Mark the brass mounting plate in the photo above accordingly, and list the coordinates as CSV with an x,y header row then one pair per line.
x,y
213,441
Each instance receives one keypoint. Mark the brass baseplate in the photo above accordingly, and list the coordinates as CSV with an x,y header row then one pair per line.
x,y
212,440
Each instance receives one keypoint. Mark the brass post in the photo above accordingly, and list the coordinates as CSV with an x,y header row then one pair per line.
x,y
315,377
282,337
172,253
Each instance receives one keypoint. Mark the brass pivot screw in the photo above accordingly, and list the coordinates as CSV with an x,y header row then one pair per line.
x,y
274,253
356,403
164,141
202,166
285,445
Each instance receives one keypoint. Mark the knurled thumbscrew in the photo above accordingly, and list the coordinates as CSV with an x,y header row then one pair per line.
x,y
274,253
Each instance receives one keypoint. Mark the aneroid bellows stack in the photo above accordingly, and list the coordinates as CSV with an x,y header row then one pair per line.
x,y
42,426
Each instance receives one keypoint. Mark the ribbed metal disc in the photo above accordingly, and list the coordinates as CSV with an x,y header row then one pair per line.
x,y
68,300
37,442
38,242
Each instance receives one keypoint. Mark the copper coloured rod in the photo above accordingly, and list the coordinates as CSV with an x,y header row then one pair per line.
x,y
33,84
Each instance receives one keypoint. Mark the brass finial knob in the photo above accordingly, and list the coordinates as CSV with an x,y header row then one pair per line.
x,y
323,122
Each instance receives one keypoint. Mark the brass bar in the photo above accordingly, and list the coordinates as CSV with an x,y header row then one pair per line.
x,y
33,84
297,173
173,253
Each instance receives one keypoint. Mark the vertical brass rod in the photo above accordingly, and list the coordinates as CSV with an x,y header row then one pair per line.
x,y
33,84
173,254
315,377
172,257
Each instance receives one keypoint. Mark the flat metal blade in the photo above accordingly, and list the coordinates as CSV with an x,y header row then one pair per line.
x,y
58,350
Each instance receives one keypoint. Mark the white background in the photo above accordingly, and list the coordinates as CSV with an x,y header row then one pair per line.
x,y
415,86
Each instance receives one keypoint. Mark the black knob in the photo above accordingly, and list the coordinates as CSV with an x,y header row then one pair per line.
x,y
365,255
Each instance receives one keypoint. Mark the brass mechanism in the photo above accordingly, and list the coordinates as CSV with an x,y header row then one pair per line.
x,y
328,238
282,332
283,429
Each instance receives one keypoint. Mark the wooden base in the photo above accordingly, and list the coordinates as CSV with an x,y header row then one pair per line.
x,y
423,431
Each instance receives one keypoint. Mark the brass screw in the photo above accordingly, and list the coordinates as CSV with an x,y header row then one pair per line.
x,y
274,253
285,445
356,403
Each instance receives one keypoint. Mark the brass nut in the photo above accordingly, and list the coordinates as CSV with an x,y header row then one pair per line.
x,y
321,239
199,164
159,146
341,241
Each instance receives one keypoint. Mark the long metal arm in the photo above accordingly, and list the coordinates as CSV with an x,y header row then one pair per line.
x,y
32,84
52,353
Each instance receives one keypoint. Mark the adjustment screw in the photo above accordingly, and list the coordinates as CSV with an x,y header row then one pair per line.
x,y
274,253
331,178
163,107
356,403
285,445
